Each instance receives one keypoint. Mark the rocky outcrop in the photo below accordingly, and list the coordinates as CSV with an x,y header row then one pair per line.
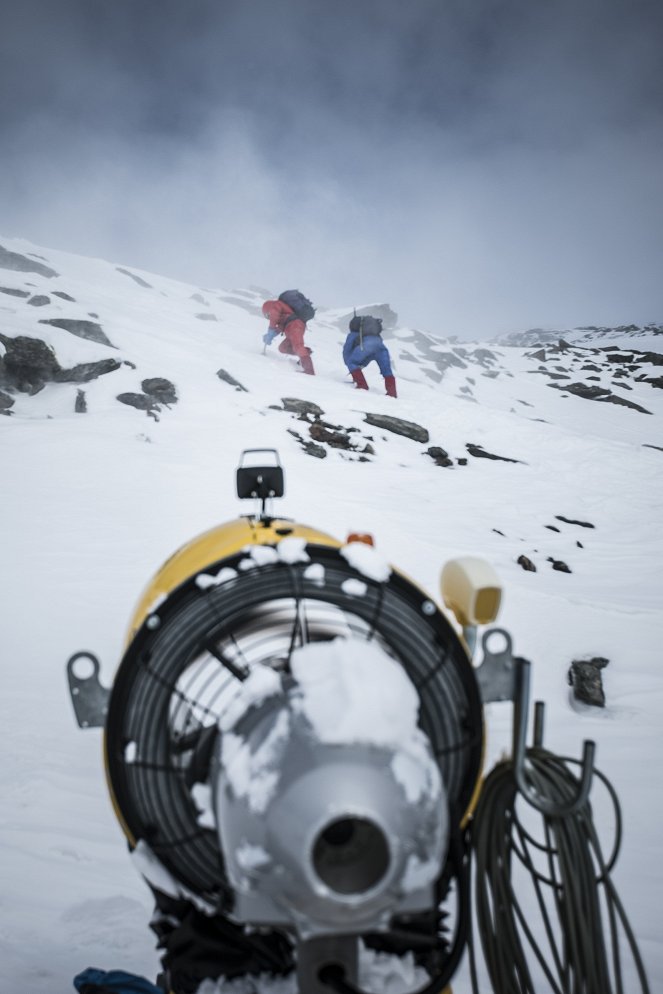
x,y
310,447
22,264
597,393
89,330
29,364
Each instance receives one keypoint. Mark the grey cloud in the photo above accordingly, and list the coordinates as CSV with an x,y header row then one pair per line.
x,y
482,164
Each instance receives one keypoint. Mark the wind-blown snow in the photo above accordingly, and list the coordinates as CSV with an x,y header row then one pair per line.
x,y
93,503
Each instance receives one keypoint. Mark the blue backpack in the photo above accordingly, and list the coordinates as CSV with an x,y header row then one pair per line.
x,y
301,305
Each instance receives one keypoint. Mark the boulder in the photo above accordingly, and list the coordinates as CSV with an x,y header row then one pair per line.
x,y
160,389
28,365
5,401
439,456
82,329
526,563
39,300
399,427
585,677
138,400
80,405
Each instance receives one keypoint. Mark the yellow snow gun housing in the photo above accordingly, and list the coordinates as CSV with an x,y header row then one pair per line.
x,y
294,743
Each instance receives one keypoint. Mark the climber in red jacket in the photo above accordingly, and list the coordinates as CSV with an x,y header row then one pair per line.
x,y
288,316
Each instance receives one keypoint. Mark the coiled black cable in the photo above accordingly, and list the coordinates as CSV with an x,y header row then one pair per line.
x,y
578,942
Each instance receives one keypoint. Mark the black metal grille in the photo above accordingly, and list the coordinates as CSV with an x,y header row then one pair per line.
x,y
177,679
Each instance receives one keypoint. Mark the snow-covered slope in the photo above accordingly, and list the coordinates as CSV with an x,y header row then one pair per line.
x,y
94,501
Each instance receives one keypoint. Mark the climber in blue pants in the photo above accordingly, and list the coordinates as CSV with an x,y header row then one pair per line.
x,y
363,345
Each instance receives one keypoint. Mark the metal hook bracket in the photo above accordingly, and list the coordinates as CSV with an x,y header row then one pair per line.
x,y
544,805
88,696
505,677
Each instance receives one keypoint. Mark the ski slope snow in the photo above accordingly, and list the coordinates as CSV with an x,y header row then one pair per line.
x,y
94,502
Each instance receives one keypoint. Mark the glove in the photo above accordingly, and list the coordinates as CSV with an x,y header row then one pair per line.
x,y
269,336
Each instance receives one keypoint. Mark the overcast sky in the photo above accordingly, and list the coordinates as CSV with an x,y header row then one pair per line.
x,y
483,166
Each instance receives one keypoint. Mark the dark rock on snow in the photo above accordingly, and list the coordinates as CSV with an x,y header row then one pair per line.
x,y
5,401
21,264
526,563
439,456
572,521
399,427
161,389
585,677
597,393
39,300
14,293
296,406
28,365
560,566
320,432
63,295
86,371
89,330
479,452
137,279
80,406
227,378
311,449
138,400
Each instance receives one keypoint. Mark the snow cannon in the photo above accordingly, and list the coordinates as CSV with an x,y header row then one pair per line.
x,y
293,745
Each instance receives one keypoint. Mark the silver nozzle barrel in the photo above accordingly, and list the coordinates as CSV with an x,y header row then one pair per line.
x,y
328,836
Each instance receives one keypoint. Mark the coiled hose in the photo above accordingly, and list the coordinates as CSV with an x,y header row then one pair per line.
x,y
583,930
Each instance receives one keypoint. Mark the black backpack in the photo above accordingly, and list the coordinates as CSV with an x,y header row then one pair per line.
x,y
366,325
301,305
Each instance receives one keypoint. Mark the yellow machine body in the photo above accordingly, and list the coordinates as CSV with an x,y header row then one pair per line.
x,y
213,545
216,544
